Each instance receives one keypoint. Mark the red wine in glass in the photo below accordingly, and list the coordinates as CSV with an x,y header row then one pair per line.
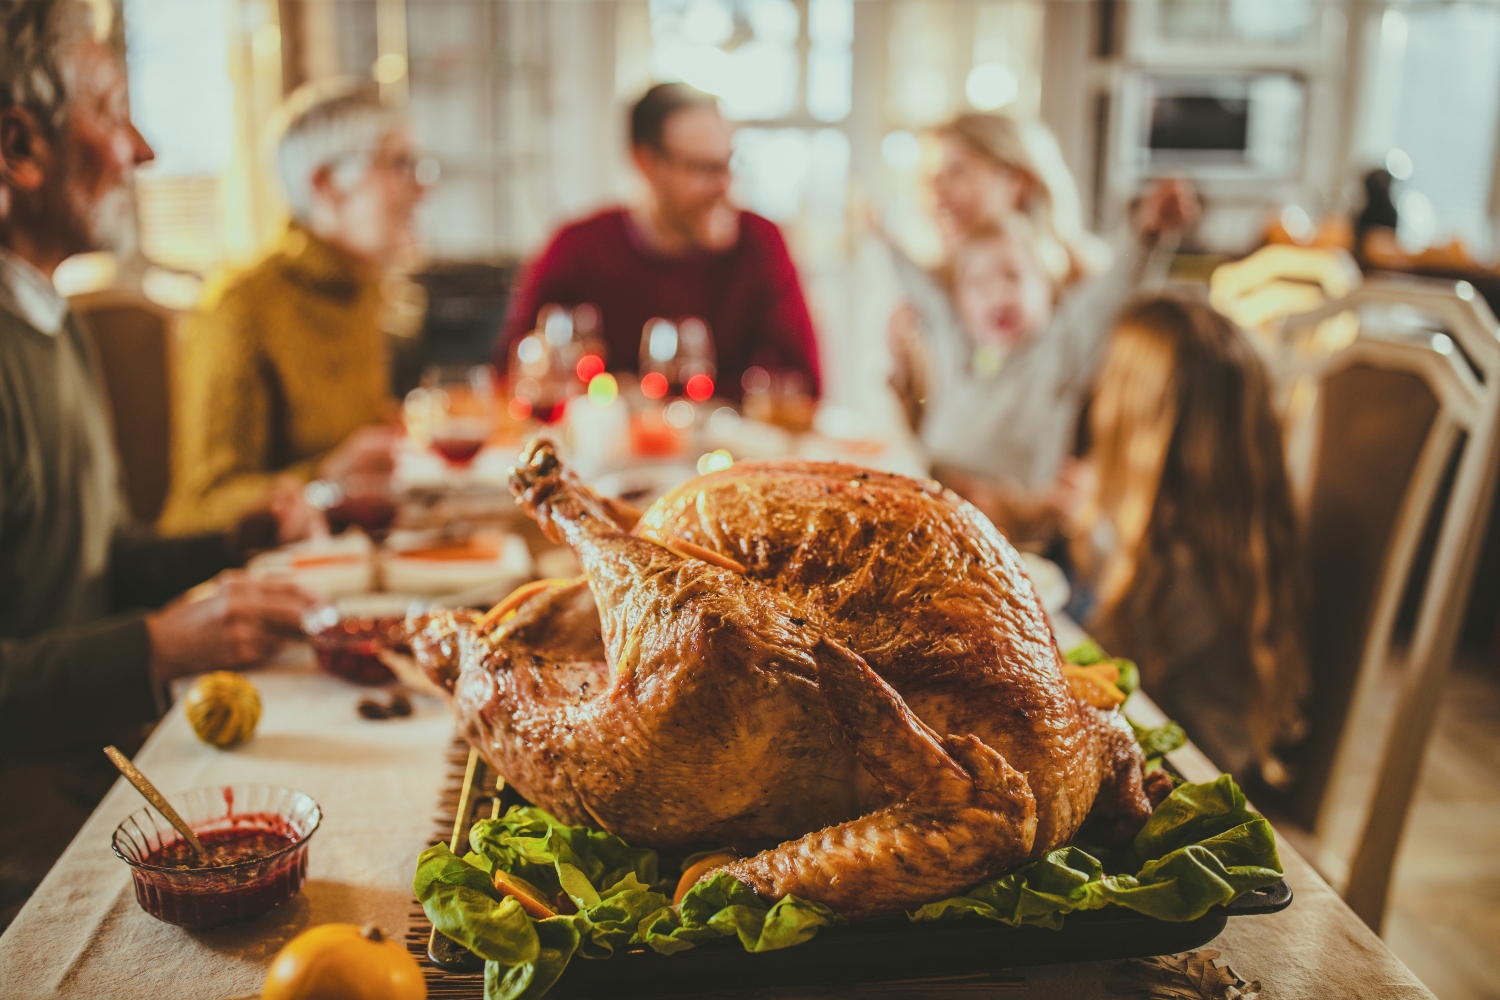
x,y
459,451
374,513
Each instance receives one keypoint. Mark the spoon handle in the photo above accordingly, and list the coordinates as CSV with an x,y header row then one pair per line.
x,y
149,792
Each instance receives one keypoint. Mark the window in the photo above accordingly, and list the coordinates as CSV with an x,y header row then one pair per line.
x,y
1434,103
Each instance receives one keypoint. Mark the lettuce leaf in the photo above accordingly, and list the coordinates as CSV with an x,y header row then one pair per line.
x,y
1160,741
1202,847
723,906
462,903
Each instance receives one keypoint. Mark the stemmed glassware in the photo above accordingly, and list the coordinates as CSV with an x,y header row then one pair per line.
x,y
453,411
555,361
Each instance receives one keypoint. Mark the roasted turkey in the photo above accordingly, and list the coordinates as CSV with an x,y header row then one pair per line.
x,y
845,675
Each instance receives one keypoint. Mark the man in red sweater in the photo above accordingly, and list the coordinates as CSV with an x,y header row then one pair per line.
x,y
683,251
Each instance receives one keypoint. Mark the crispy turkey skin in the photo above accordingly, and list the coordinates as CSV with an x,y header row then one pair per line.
x,y
873,713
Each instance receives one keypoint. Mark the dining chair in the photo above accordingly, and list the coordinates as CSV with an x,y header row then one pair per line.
x,y
133,339
1397,499
1260,293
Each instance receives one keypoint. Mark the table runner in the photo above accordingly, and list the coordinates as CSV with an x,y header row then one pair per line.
x,y
83,935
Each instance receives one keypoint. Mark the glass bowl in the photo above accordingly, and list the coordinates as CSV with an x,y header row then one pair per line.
x,y
349,635
361,500
270,825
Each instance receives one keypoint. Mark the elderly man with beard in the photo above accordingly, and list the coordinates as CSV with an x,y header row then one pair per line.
x,y
90,632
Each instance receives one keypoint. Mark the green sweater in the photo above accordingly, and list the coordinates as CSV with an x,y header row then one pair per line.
x,y
75,574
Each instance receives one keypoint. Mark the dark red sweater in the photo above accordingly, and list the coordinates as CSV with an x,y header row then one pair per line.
x,y
749,295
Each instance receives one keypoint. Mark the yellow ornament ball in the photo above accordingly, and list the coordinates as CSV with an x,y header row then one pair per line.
x,y
344,962
223,708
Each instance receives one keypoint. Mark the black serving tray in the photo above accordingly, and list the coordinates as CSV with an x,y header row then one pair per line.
x,y
866,951
882,950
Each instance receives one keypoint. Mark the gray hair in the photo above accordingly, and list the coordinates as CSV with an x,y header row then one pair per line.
x,y
334,124
35,36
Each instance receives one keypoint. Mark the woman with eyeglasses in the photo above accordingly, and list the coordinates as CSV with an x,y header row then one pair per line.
x,y
285,374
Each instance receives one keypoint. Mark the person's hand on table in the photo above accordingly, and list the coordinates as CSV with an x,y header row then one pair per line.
x,y
1075,495
283,516
368,451
908,364
1172,205
296,519
232,622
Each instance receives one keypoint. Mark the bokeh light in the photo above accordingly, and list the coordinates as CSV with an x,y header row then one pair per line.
x,y
603,389
654,385
519,408
699,387
588,366
714,461
991,85
680,414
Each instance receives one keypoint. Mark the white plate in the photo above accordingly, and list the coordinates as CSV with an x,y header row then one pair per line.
x,y
329,567
415,575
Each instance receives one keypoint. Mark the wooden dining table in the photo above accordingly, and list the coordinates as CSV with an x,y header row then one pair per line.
x,y
83,935
380,785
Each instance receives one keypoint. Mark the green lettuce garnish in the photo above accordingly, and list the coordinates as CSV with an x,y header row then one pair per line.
x,y
615,888
1160,741
1201,848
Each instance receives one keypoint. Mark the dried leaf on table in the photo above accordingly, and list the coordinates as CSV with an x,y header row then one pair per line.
x,y
1190,976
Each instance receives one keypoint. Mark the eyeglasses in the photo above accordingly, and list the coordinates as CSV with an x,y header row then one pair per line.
x,y
708,169
423,170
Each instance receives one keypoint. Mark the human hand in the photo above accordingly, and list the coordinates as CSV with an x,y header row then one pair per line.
x,y
296,519
369,450
1172,205
908,368
1075,494
232,622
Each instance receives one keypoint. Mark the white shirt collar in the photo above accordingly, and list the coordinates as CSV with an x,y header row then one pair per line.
x,y
29,294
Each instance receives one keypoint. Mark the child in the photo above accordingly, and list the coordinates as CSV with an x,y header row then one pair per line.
x,y
1006,373
1187,533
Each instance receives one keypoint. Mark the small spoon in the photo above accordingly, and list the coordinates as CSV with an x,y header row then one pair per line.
x,y
150,794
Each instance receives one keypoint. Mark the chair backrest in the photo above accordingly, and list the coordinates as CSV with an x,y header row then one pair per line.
x,y
133,339
1278,281
1402,479
1260,293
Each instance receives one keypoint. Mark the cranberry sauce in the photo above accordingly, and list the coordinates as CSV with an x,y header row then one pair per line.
x,y
351,648
224,847
244,876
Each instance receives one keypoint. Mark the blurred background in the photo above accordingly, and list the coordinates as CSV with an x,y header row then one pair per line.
x,y
1278,112
1274,108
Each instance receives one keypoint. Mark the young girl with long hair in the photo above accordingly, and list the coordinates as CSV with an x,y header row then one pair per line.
x,y
1189,536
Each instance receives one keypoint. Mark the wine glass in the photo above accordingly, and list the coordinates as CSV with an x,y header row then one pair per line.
x,y
453,411
547,364
677,357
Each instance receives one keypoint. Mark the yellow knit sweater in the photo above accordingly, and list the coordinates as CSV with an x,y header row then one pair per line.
x,y
270,376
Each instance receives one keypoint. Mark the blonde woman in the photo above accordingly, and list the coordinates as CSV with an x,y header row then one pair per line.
x,y
994,165
1000,434
1184,525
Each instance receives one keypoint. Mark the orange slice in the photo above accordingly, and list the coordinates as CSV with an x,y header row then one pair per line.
x,y
689,550
514,600
697,870
528,895
1091,686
